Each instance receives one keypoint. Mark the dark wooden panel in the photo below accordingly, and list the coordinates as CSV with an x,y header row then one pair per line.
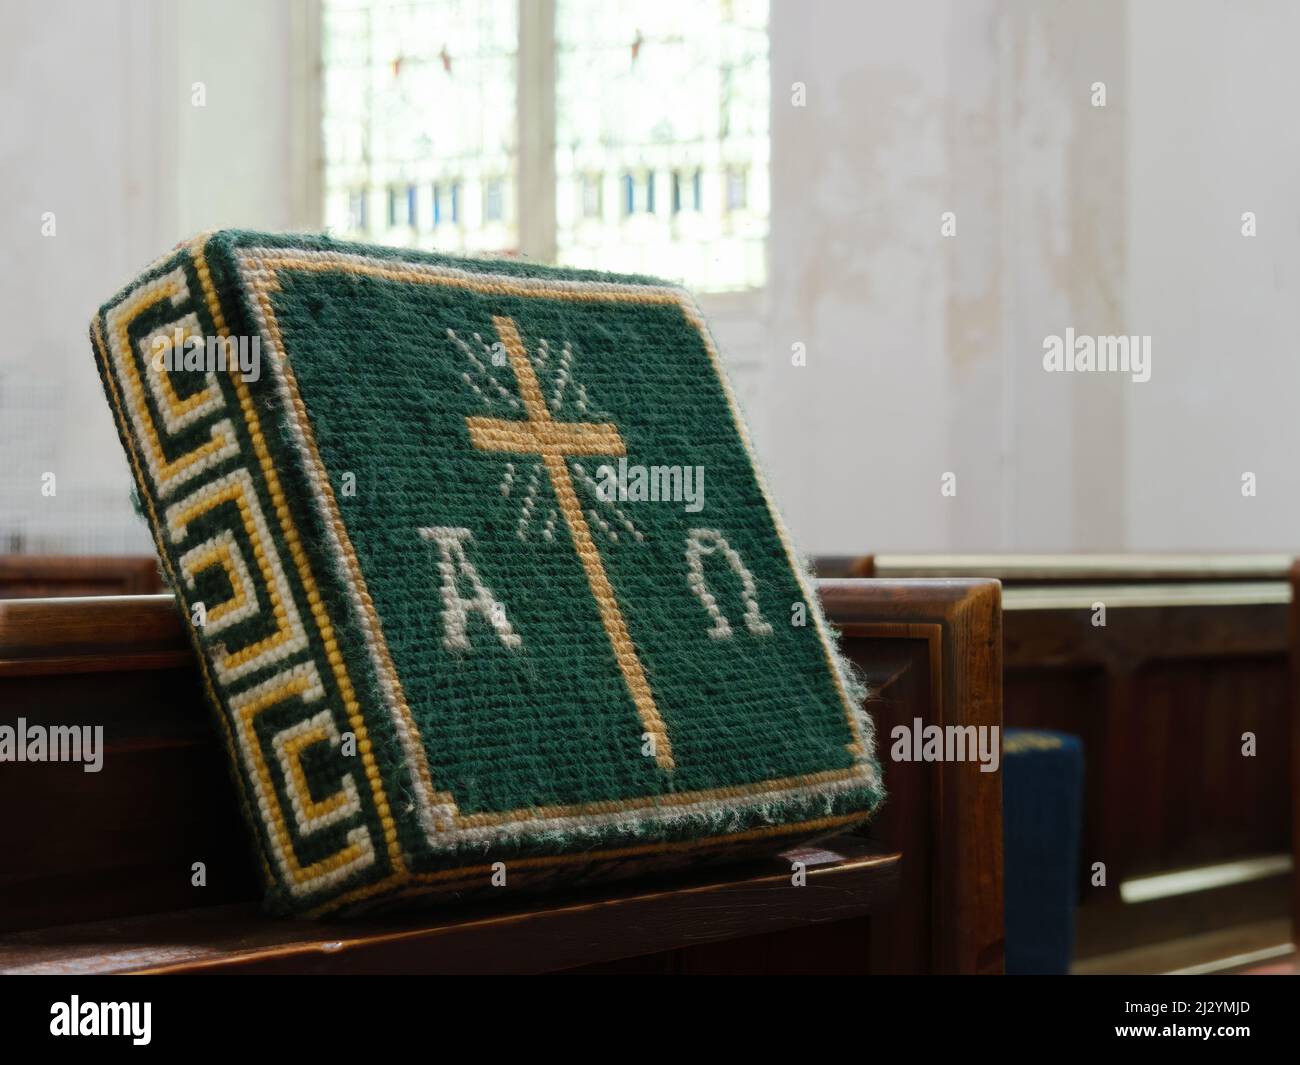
x,y
1193,798
1161,697
1168,786
120,841
1039,637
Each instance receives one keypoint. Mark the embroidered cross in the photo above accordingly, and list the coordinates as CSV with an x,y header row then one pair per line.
x,y
555,442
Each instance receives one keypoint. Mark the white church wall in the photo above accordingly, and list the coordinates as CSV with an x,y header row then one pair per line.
x,y
1210,137
100,131
925,350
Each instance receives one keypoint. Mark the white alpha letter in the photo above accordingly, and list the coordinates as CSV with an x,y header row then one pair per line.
x,y
456,608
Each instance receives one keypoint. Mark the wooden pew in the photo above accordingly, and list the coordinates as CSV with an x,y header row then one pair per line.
x,y
1194,653
42,576
95,874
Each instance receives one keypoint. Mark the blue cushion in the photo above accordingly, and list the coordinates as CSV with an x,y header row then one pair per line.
x,y
1042,792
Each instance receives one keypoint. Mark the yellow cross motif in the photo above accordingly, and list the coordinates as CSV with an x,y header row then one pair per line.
x,y
555,442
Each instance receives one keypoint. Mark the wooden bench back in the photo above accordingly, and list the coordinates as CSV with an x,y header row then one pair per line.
x,y
120,844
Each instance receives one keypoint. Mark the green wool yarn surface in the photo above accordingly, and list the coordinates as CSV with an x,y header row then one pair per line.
x,y
484,582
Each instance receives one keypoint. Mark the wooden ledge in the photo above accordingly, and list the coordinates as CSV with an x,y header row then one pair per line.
x,y
846,877
1014,568
91,634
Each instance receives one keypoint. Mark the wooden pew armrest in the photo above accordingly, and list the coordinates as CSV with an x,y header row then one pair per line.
x,y
933,643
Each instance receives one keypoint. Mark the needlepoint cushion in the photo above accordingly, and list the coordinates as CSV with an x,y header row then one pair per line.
x,y
484,584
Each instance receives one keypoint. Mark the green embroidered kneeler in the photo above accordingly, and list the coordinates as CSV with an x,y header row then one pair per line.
x,y
484,584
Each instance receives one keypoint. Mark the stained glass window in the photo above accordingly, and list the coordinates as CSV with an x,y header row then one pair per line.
x,y
419,122
660,131
669,95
